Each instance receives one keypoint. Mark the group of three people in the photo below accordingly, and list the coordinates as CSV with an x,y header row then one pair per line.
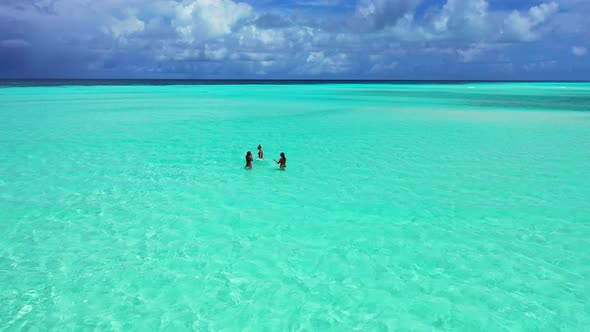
x,y
282,160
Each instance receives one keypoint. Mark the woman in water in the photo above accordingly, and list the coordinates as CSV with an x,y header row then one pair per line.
x,y
249,159
260,153
282,161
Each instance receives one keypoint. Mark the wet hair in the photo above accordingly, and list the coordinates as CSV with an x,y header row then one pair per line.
x,y
248,154
259,146
283,155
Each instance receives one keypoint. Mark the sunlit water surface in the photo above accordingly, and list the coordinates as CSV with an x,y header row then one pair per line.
x,y
423,207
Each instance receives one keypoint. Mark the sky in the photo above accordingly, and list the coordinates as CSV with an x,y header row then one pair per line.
x,y
299,39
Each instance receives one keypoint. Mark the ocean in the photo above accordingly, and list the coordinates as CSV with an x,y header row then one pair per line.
x,y
405,206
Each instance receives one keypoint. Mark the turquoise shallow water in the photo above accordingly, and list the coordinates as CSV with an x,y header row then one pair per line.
x,y
404,207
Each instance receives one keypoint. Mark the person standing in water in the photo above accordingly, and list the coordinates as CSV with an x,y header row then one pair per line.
x,y
260,153
249,159
282,161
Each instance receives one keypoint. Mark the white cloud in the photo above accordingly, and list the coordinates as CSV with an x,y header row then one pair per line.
x,y
462,16
457,19
384,13
215,54
182,55
247,36
198,20
251,35
122,28
579,50
522,26
475,51
318,63
208,52
252,56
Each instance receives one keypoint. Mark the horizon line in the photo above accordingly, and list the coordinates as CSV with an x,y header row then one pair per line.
x,y
245,81
282,79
